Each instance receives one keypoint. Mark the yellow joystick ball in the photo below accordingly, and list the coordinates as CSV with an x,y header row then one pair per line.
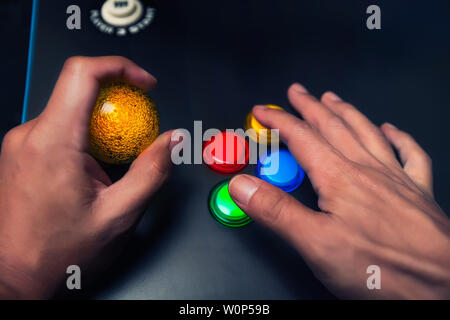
x,y
124,122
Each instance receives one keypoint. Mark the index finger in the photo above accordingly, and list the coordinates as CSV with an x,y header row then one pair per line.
x,y
76,90
310,149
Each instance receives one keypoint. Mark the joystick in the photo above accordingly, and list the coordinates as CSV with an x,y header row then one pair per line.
x,y
121,13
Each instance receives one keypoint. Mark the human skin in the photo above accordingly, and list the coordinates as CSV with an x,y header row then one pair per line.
x,y
374,210
57,206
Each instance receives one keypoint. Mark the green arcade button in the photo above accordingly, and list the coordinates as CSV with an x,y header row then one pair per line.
x,y
224,209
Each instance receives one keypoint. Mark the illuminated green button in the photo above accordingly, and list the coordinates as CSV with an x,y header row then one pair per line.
x,y
224,209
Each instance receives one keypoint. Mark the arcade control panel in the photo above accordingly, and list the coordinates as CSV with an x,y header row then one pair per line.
x,y
214,61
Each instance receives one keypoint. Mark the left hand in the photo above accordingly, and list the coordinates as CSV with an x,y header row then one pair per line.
x,y
57,206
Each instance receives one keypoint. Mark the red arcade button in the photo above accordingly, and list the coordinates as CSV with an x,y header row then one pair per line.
x,y
226,153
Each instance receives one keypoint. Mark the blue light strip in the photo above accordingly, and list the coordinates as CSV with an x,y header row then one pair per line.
x,y
31,45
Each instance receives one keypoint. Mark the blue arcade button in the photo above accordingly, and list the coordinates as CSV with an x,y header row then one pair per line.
x,y
285,173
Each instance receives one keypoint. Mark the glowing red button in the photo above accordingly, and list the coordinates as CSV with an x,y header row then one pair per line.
x,y
226,153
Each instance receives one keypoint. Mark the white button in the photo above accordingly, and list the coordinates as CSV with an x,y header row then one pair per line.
x,y
121,13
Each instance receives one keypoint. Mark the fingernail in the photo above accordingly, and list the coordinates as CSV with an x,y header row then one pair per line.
x,y
333,96
260,108
242,188
299,88
147,74
391,125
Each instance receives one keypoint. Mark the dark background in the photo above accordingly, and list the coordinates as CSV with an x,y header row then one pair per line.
x,y
214,60
14,29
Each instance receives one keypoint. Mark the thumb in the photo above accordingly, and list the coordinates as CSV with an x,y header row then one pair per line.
x,y
125,199
277,210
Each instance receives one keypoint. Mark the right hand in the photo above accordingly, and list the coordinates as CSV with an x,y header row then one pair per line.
x,y
374,210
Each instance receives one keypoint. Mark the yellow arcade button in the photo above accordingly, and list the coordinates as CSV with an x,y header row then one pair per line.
x,y
261,133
